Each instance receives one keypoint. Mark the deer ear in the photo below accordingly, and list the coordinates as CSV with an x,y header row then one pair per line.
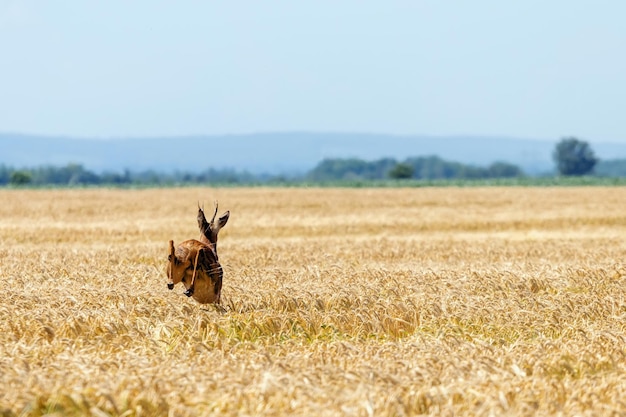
x,y
221,222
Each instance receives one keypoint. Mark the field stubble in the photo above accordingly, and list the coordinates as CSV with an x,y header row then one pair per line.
x,y
440,301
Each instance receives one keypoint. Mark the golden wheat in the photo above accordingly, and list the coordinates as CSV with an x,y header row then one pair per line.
x,y
438,301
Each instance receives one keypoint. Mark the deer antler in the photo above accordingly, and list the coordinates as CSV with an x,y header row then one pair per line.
x,y
214,214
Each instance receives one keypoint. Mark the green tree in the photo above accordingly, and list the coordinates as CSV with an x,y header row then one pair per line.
x,y
350,169
21,178
401,171
504,170
574,157
433,167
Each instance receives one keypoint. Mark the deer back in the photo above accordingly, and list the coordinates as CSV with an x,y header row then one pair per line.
x,y
193,258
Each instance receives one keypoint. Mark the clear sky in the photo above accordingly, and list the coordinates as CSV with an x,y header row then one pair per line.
x,y
538,69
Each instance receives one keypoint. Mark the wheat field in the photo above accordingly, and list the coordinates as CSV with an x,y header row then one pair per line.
x,y
336,302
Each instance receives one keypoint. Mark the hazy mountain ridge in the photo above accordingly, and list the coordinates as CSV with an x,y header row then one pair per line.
x,y
275,153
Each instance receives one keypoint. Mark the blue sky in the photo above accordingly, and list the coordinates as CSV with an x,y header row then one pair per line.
x,y
528,69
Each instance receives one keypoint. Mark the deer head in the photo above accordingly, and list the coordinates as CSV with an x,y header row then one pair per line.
x,y
210,230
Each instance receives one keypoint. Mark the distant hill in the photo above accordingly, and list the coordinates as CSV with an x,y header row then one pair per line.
x,y
274,153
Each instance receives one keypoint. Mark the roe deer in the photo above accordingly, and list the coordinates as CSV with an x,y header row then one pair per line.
x,y
195,262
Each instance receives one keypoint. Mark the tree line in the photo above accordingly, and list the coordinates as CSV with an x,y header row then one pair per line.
x,y
572,157
77,175
426,167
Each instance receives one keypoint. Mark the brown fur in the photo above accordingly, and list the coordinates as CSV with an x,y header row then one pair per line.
x,y
195,262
